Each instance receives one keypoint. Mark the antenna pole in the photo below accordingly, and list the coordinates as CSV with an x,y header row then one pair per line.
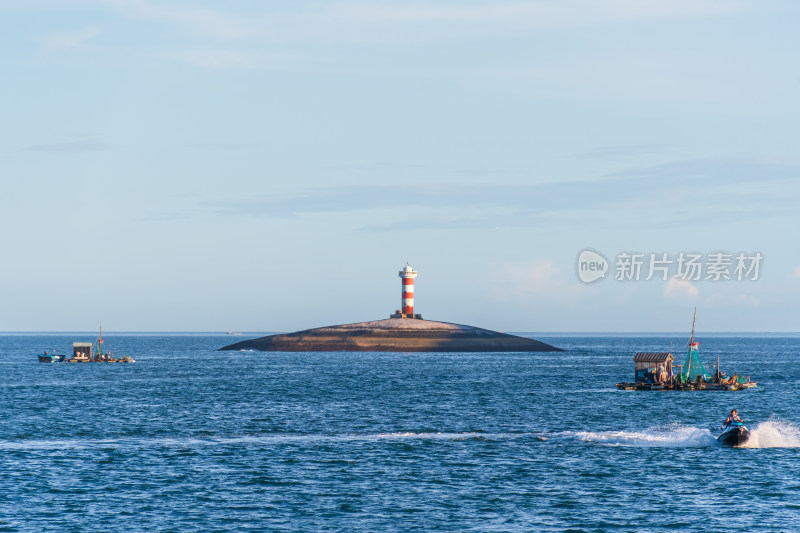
x,y
100,341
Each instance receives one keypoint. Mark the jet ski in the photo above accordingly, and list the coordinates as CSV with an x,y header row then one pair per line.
x,y
736,434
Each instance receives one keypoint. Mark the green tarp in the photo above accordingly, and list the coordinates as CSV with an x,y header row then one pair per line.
x,y
693,366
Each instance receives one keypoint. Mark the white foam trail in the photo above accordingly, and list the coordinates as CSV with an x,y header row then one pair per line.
x,y
431,435
137,442
774,433
670,437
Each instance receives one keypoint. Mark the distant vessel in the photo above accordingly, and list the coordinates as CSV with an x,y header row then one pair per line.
x,y
654,371
82,353
50,358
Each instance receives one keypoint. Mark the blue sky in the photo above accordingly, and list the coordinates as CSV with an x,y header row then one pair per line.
x,y
271,165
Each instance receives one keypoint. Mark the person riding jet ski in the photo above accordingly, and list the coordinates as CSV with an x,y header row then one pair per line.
x,y
733,417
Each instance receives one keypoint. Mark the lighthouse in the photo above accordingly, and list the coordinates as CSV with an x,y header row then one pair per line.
x,y
406,310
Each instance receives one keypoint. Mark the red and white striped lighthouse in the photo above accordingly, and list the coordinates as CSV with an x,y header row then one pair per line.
x,y
407,276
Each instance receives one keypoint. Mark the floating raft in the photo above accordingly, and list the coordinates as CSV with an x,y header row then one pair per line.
x,y
56,358
687,386
654,371
82,352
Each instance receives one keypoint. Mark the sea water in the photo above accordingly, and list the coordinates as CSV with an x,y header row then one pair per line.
x,y
192,439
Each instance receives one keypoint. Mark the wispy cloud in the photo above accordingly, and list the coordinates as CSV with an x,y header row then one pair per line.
x,y
530,278
666,191
225,146
727,301
373,167
207,22
244,58
84,145
541,13
471,220
70,39
716,171
217,59
318,29
359,21
614,152
525,280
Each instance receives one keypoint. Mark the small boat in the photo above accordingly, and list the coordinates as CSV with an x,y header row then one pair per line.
x,y
736,434
50,358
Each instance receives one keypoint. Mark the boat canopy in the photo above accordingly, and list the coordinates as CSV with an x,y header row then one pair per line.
x,y
652,357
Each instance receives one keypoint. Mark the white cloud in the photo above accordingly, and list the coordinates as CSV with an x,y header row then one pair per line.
x,y
356,23
680,288
523,280
739,300
84,145
543,13
201,20
70,39
372,21
219,59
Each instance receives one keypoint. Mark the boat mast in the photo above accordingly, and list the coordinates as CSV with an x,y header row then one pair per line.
x,y
692,344
100,341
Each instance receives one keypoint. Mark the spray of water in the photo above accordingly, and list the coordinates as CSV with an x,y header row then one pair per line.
x,y
664,437
774,433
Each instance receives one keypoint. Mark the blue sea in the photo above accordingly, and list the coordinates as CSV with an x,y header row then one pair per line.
x,y
192,439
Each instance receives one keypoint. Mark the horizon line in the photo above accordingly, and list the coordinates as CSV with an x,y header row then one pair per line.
x,y
243,333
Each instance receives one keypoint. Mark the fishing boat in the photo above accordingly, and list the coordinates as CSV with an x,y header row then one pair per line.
x,y
101,356
735,434
87,352
50,357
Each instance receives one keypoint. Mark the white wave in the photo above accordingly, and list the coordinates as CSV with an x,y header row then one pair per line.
x,y
774,433
669,437
143,442
444,436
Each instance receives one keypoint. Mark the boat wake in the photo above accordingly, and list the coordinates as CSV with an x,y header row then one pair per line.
x,y
661,437
314,438
774,433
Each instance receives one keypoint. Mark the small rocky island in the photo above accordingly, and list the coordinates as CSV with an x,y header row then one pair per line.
x,y
395,335
404,331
